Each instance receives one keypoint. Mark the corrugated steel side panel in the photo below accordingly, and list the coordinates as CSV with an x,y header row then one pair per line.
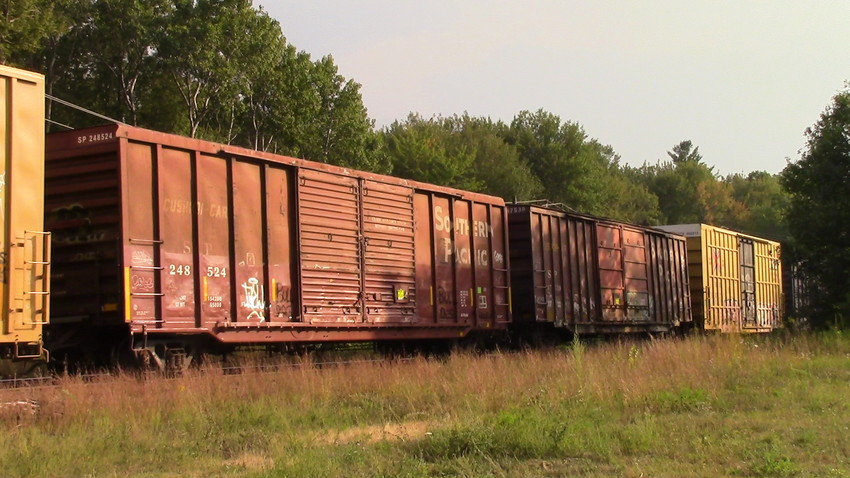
x,y
25,277
281,230
670,296
623,274
140,242
176,212
390,280
82,206
249,252
329,223
553,266
523,250
584,272
461,261
214,239
596,276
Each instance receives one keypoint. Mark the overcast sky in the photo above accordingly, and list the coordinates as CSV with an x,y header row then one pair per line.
x,y
741,79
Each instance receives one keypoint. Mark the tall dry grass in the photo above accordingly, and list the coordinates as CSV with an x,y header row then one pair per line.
x,y
671,406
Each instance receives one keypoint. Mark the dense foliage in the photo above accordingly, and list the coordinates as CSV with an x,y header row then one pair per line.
x,y
214,69
819,213
540,156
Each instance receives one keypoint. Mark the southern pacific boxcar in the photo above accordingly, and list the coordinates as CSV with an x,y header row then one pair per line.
x,y
591,275
24,248
736,279
177,246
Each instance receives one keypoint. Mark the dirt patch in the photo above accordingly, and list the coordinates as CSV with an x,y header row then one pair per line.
x,y
375,433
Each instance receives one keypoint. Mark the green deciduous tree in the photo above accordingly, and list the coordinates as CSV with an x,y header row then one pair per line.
x,y
818,214
688,190
214,69
117,45
460,151
428,151
201,54
498,165
339,130
24,27
570,166
760,204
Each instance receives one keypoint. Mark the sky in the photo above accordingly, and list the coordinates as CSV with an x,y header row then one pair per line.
x,y
740,79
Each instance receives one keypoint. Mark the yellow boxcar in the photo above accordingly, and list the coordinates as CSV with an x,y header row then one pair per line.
x,y
735,279
24,248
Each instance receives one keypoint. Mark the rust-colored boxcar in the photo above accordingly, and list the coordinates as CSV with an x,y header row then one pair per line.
x,y
191,244
24,247
736,279
592,275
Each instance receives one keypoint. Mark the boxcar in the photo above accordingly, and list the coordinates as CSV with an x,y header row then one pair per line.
x,y
25,249
736,279
182,245
592,275
796,288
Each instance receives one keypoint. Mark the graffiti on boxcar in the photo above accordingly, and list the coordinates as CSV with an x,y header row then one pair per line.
x,y
445,303
282,306
731,310
82,234
68,212
142,283
498,257
254,299
142,258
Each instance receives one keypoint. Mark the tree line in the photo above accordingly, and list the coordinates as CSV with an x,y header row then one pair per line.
x,y
223,70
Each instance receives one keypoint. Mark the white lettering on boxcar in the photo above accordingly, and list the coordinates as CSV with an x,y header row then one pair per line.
x,y
94,138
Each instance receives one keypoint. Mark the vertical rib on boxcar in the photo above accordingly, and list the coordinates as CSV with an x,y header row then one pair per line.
x,y
591,275
25,249
736,279
195,245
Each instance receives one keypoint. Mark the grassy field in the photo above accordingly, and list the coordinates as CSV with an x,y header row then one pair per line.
x,y
704,406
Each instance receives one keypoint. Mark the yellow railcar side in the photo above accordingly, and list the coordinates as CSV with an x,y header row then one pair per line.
x,y
24,248
735,278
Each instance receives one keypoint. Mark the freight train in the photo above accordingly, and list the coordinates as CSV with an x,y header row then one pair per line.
x,y
160,249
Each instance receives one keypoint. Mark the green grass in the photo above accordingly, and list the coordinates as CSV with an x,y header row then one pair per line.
x,y
704,406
